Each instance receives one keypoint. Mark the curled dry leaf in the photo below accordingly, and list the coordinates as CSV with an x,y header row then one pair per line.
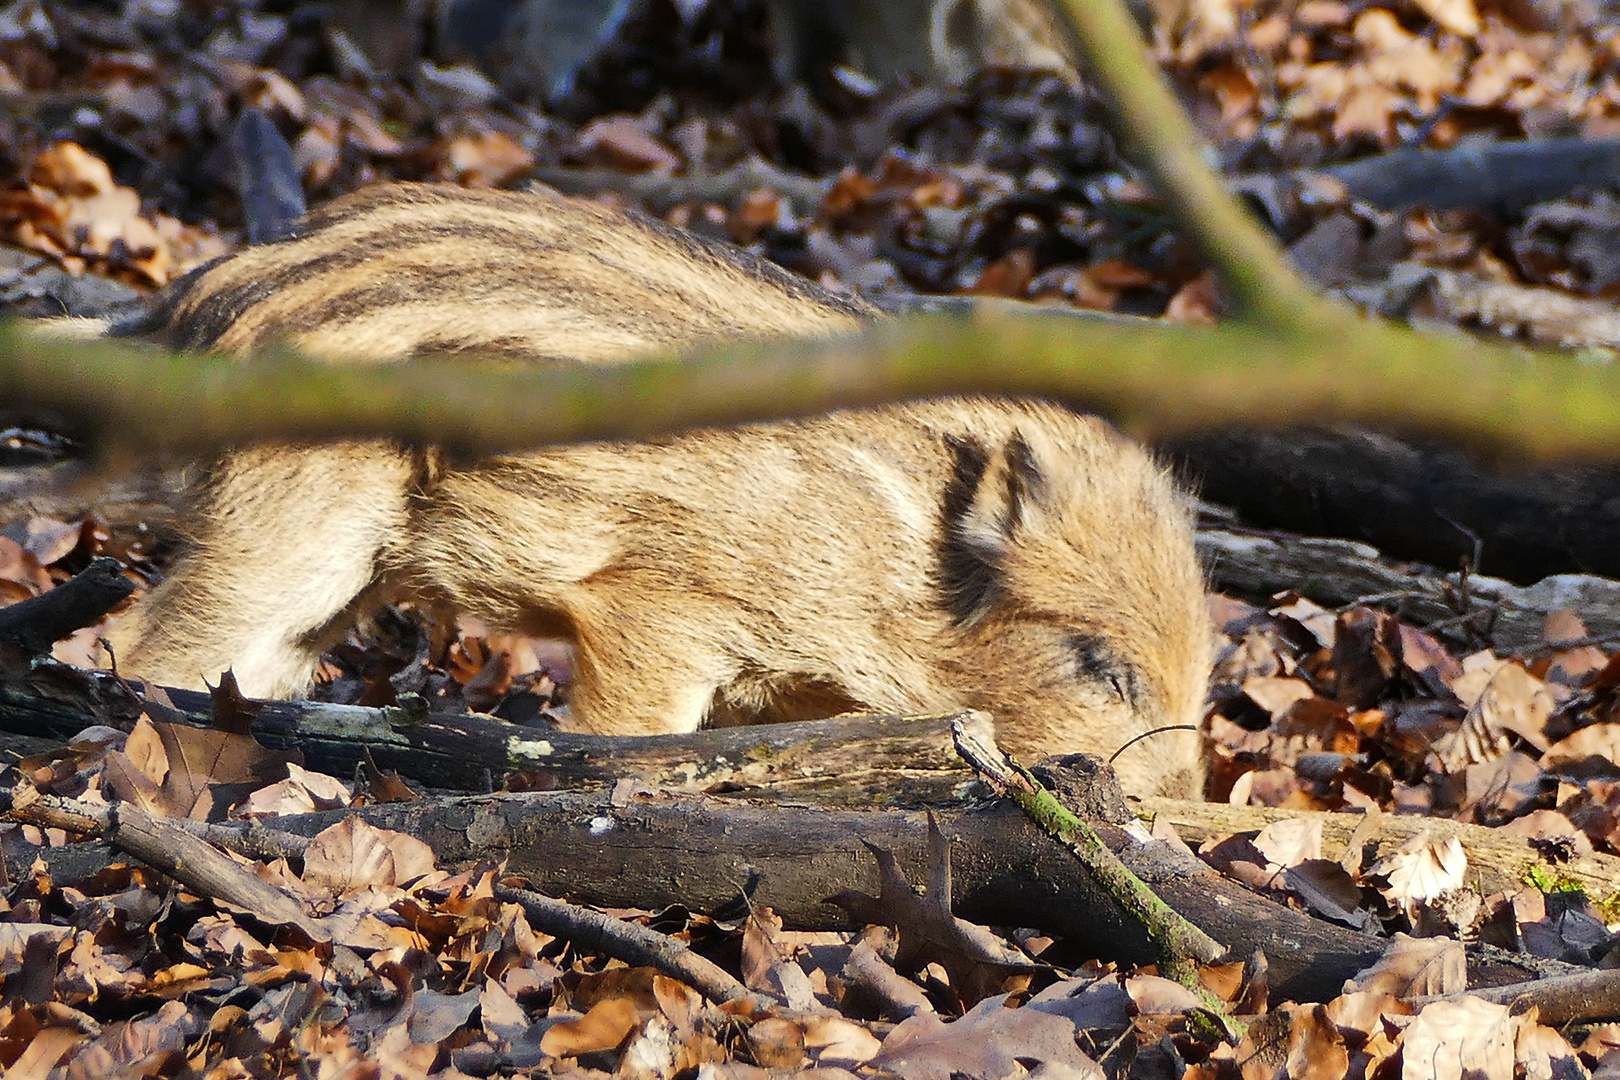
x,y
1155,995
838,1043
303,792
1291,842
1421,870
603,1027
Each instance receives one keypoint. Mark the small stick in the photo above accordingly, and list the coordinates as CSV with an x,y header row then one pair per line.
x,y
187,859
1560,999
635,945
41,621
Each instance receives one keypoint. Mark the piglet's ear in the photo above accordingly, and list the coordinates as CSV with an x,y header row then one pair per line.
x,y
986,501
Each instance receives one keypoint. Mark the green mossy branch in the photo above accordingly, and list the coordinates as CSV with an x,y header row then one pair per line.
x,y
1155,379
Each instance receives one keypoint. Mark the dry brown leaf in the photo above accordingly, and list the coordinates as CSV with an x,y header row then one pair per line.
x,y
318,150
1364,1011
1540,1051
1457,16
768,963
1516,701
1007,276
1316,1050
1276,694
776,1043
352,855
1327,888
1197,303
974,958
487,159
303,792
838,1043
1450,1040
500,1015
621,141
1413,967
70,169
1421,870
1601,741
989,1041
1290,842
42,1053
603,1027
1155,995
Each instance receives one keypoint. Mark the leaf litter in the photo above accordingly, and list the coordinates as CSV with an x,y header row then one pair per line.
x,y
1010,187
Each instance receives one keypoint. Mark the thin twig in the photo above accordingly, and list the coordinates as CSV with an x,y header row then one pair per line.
x,y
635,945
160,844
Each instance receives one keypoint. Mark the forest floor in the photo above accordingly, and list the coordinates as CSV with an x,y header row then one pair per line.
x,y
118,177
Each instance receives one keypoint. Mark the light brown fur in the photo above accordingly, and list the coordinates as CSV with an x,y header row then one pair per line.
x,y
1005,555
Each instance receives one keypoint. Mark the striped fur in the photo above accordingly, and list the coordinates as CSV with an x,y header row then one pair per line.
x,y
402,269
1003,555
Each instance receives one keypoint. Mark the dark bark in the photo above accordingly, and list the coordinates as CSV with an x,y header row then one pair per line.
x,y
858,760
1501,177
35,624
1414,500
710,855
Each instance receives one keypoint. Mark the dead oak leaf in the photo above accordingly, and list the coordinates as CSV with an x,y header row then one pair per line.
x,y
972,956
991,1040
176,770
352,855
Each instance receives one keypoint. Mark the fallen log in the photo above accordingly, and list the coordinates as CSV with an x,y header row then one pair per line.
x,y
1466,611
855,760
1414,500
721,856
1501,177
618,848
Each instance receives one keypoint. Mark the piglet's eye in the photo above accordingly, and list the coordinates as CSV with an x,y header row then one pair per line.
x,y
1095,662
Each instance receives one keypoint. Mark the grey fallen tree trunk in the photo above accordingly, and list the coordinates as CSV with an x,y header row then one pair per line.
x,y
720,856
646,848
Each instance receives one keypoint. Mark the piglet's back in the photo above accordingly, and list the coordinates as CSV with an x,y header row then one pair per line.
x,y
401,269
